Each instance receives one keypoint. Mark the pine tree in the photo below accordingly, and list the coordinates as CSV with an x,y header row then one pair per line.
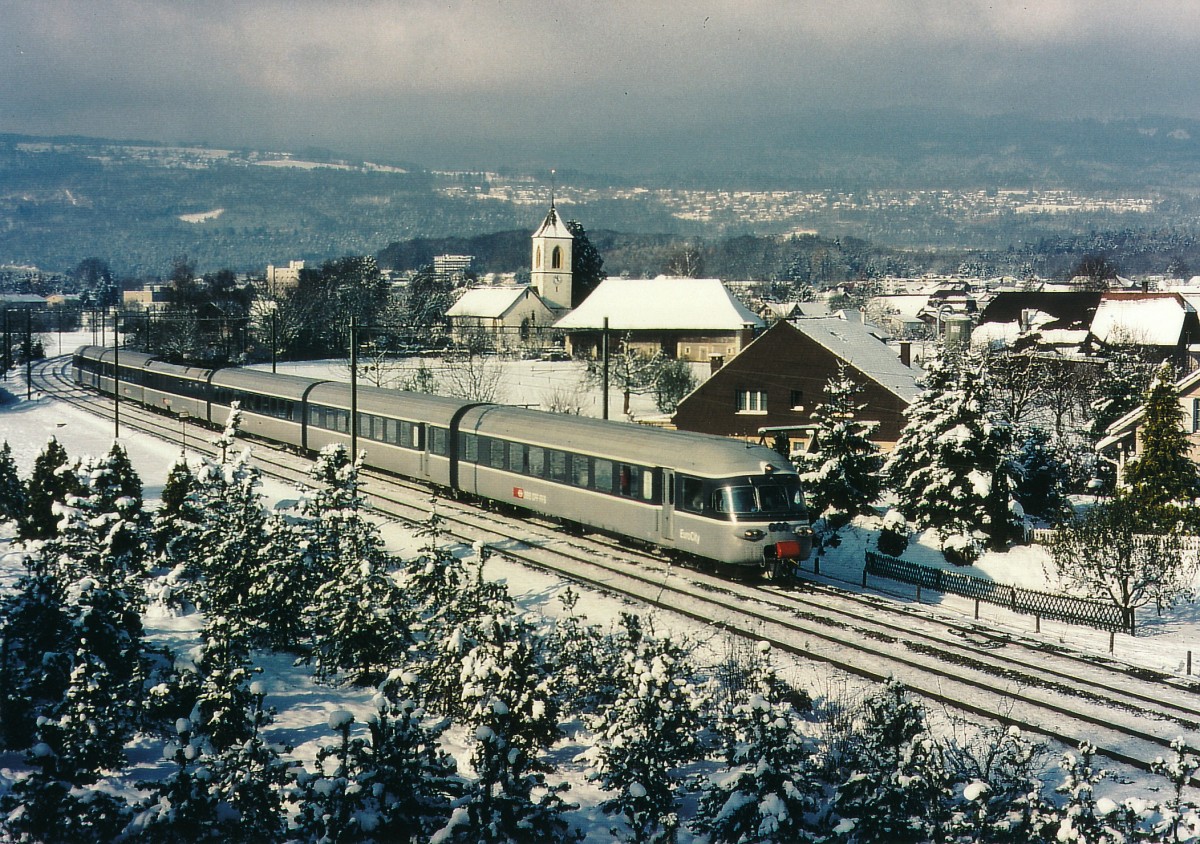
x,y
773,788
842,478
1163,472
951,469
651,729
41,807
509,691
51,480
225,696
13,505
896,789
34,663
1042,478
176,520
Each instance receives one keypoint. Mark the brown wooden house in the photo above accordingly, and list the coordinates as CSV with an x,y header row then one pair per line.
x,y
778,380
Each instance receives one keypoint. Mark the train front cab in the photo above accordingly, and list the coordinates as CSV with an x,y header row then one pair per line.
x,y
748,521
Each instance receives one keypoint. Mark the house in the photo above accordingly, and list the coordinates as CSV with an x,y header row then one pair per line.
x,y
1163,322
1123,440
281,279
778,380
692,319
151,298
507,316
1049,321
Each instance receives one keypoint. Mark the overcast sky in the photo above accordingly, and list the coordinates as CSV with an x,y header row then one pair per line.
x,y
422,81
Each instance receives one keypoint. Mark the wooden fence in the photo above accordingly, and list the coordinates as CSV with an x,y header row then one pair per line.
x,y
1041,604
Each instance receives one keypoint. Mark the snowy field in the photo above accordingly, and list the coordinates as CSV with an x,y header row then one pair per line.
x,y
304,706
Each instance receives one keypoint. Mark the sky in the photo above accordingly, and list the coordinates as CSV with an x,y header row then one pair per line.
x,y
430,82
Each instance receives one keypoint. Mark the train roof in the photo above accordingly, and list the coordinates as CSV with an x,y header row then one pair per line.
x,y
401,404
264,383
195,373
698,454
105,354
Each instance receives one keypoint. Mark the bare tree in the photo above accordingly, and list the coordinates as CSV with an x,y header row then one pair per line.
x,y
565,398
377,365
472,376
1105,556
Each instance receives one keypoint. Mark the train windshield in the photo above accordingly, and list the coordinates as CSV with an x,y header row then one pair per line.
x,y
780,497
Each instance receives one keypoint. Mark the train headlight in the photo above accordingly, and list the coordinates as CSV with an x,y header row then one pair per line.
x,y
754,534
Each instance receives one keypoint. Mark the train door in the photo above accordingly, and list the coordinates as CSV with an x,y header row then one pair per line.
x,y
667,518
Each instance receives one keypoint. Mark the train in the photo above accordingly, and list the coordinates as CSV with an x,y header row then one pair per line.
x,y
696,496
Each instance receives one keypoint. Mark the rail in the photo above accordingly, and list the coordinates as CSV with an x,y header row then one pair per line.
x,y
1030,601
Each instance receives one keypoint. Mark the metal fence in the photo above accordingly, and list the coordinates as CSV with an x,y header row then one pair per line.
x,y
1041,604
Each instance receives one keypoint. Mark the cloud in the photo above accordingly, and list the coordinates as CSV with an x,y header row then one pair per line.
x,y
367,71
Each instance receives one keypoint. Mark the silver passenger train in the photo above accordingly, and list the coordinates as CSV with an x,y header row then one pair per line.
x,y
695,495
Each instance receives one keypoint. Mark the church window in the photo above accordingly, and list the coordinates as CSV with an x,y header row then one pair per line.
x,y
537,258
556,258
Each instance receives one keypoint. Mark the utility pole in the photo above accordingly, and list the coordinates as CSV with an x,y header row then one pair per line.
x,y
116,379
353,389
604,352
28,354
273,330
7,346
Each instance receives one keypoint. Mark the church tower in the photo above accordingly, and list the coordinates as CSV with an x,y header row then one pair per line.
x,y
551,275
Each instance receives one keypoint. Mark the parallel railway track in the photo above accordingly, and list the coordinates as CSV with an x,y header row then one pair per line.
x,y
1130,715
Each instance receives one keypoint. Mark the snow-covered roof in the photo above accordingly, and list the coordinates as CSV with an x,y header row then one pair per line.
x,y
641,304
1152,319
552,226
487,302
854,343
906,305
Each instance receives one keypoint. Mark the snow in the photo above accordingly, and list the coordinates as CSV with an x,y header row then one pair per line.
x,y
1146,319
307,711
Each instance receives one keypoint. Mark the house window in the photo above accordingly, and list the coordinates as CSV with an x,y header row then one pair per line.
x,y
751,401
1195,416
556,258
797,400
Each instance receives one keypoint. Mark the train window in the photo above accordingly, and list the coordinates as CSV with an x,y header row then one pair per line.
x,y
437,441
391,431
535,463
484,447
647,485
626,479
364,425
604,475
691,495
469,447
557,463
498,453
581,470
343,421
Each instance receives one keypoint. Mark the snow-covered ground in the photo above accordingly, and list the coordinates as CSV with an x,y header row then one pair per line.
x,y
305,706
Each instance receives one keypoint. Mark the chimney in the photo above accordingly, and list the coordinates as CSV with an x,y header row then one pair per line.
x,y
906,353
715,362
1145,285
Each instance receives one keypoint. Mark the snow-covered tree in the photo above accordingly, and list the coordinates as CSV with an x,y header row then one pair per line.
x,y
512,708
225,700
1042,477
34,664
842,477
771,792
1163,471
12,490
41,807
1176,813
651,730
950,468
51,480
1105,555
584,659
176,520
228,543
1083,816
896,788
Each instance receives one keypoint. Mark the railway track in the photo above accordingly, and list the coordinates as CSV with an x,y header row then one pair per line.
x,y
1132,716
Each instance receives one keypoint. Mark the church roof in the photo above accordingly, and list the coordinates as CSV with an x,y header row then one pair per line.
x,y
640,304
488,302
552,226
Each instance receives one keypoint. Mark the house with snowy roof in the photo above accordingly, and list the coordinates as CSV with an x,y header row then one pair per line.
x,y
1122,441
1163,323
506,316
1056,322
776,382
692,319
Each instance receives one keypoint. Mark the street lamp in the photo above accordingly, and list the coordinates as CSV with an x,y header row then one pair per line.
x,y
183,418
